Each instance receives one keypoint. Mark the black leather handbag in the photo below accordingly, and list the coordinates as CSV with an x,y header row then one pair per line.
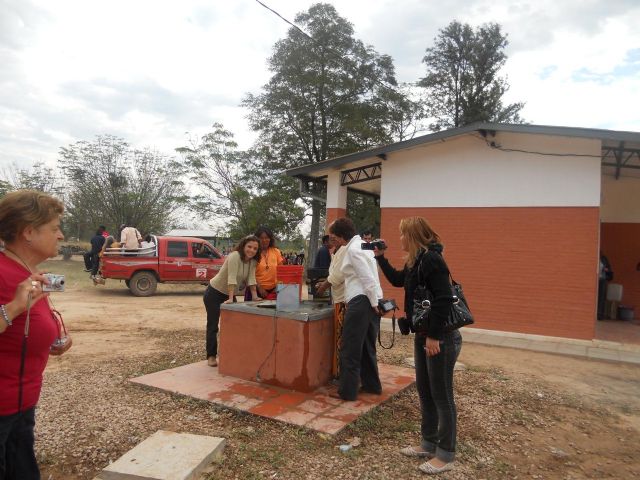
x,y
459,315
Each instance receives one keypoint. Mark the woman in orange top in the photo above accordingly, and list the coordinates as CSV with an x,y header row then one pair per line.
x,y
270,258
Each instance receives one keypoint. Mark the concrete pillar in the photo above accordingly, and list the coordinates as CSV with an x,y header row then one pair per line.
x,y
336,198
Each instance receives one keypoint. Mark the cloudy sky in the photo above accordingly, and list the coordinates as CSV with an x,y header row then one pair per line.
x,y
152,70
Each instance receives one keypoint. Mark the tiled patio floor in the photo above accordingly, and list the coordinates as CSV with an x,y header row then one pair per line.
x,y
314,410
621,331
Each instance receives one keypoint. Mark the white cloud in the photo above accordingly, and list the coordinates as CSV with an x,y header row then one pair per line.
x,y
151,70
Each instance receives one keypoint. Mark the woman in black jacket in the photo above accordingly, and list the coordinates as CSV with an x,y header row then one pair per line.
x,y
435,351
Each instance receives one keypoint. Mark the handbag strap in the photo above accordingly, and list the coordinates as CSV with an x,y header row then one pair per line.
x,y
453,282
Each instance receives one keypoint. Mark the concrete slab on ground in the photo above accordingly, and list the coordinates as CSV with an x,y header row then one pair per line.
x,y
166,456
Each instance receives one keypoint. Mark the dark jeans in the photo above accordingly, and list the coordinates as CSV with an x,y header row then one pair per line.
x,y
95,266
88,260
358,363
434,381
17,456
212,301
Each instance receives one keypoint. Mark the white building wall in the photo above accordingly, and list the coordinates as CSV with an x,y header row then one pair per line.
x,y
620,200
465,172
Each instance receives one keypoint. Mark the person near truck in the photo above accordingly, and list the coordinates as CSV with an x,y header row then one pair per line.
x,y
91,257
238,273
30,228
130,237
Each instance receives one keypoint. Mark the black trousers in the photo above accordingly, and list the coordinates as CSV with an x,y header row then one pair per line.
x,y
95,266
434,381
88,260
358,362
212,301
17,455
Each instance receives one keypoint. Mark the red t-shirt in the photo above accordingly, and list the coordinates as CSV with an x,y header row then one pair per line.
x,y
43,330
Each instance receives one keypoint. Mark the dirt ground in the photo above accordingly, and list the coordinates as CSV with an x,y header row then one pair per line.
x,y
521,414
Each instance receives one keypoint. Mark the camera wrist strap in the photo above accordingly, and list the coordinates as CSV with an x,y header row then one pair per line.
x,y
23,353
393,332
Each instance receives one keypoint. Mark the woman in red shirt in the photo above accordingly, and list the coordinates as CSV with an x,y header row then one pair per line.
x,y
30,229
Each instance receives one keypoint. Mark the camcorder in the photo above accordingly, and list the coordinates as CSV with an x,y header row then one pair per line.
x,y
56,283
379,244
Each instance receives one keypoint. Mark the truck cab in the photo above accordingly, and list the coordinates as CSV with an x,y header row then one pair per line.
x,y
171,260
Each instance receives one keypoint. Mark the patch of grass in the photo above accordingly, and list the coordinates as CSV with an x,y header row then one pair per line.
x,y
72,270
487,390
627,409
521,417
465,449
502,466
372,421
476,369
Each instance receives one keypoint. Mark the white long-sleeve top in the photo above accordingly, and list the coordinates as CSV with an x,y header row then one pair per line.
x,y
336,277
360,272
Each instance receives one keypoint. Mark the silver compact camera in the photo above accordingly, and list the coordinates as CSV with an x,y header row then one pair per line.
x,y
56,283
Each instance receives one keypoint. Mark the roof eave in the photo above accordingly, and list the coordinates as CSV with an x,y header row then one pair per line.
x,y
333,163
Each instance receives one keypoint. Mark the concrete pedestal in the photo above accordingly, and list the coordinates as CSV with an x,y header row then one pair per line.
x,y
292,350
166,456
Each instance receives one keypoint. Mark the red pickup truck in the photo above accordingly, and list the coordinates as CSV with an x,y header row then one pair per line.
x,y
169,260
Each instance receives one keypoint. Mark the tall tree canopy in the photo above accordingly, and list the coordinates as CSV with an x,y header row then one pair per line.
x,y
234,188
109,183
325,97
37,177
462,79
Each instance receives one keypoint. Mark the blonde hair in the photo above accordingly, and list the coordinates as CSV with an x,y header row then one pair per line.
x,y
418,234
23,208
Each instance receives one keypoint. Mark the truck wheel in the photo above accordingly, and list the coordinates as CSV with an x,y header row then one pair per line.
x,y
143,284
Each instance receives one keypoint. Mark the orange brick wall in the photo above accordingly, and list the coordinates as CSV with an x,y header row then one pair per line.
x,y
620,242
524,269
333,214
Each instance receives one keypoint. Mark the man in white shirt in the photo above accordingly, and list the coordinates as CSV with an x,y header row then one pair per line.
x,y
358,362
130,237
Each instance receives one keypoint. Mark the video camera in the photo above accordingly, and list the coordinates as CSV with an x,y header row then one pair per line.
x,y
379,244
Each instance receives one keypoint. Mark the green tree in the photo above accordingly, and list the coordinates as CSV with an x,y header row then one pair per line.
x,y
462,81
37,177
109,183
324,99
5,187
364,211
402,112
234,190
